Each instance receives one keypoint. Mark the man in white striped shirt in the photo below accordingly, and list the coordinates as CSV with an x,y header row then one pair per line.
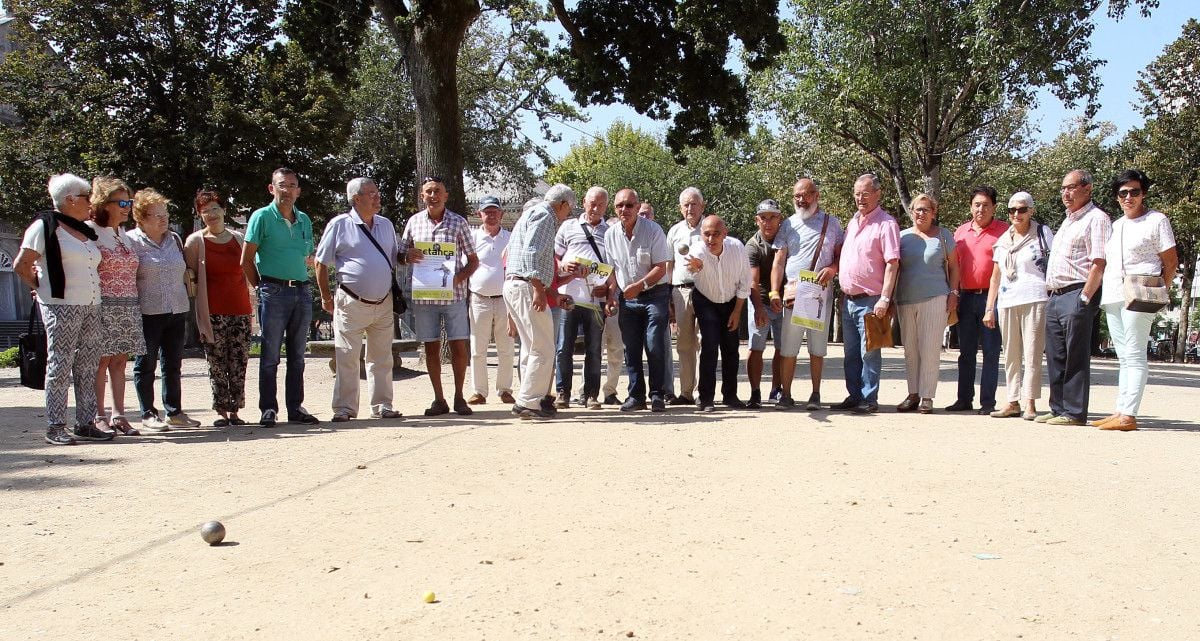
x,y
721,273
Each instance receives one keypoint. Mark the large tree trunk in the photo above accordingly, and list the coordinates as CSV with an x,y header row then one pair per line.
x,y
1187,271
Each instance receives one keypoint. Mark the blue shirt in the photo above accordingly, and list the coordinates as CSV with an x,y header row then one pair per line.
x,y
531,245
923,266
802,237
345,247
282,246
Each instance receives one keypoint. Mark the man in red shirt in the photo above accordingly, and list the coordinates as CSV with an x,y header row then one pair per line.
x,y
973,243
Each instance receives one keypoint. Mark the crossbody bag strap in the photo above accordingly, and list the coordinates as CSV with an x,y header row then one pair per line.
x,y
945,253
592,242
374,242
820,243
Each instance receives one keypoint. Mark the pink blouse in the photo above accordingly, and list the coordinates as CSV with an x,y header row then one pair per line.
x,y
118,271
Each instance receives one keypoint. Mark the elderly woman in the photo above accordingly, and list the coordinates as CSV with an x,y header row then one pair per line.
x,y
1142,244
120,315
58,260
1017,301
164,303
223,309
926,293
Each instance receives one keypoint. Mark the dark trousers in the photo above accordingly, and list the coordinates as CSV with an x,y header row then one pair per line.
x,y
165,335
284,313
592,322
971,308
1068,352
645,326
715,336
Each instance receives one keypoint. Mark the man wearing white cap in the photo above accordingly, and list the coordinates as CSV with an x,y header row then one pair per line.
x,y
488,315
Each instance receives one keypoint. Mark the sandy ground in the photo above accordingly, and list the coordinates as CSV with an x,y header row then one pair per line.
x,y
601,525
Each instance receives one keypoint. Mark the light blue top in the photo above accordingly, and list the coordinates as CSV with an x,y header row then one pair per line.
x,y
364,269
923,265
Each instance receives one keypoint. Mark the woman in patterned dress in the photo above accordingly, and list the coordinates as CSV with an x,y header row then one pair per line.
x,y
120,315
223,310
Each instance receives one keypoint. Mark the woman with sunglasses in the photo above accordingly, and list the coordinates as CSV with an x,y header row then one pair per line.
x,y
1143,244
1017,302
223,311
120,313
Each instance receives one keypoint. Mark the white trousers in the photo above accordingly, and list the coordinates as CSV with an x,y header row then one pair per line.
x,y
489,323
536,330
921,328
1129,332
352,319
1023,330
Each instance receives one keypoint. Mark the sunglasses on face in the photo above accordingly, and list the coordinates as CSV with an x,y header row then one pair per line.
x,y
123,204
1129,193
1018,210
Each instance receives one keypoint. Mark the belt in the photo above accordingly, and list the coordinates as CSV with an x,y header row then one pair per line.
x,y
515,277
652,290
1063,290
973,291
282,281
360,299
860,296
485,295
685,285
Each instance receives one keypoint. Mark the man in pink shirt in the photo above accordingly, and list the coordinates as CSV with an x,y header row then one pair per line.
x,y
869,265
973,242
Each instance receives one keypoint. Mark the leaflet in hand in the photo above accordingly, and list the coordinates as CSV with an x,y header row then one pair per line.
x,y
595,274
433,276
811,301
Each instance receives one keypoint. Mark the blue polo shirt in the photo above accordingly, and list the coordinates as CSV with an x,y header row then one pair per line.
x,y
282,246
345,247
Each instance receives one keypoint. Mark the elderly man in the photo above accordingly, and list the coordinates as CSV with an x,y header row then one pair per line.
x,y
279,244
529,273
488,313
1073,277
639,254
973,242
868,267
436,224
582,239
646,210
682,237
721,273
361,246
807,250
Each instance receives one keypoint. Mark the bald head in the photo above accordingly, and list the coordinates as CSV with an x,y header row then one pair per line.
x,y
714,231
626,203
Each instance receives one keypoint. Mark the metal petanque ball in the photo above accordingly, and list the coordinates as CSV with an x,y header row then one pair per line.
x,y
212,532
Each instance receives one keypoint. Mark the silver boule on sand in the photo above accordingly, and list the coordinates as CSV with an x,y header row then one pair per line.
x,y
212,532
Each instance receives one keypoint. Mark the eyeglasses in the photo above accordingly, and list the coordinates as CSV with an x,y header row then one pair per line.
x,y
1018,210
1129,193
1072,187
123,204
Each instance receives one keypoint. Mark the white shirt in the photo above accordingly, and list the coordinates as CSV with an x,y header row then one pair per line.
x,y
723,277
80,260
488,278
633,258
1143,238
681,235
1029,286
571,241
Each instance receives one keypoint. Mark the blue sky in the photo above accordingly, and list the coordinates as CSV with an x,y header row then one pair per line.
x,y
1127,46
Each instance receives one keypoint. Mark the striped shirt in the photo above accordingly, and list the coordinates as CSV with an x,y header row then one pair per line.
x,y
160,273
531,246
452,228
1080,241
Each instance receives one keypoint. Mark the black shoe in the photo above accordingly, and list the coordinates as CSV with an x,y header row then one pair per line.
x,y
303,418
785,403
681,400
437,408
755,402
547,406
632,404
527,414
462,408
776,394
986,410
92,433
268,418
612,399
706,407
58,435
657,404
866,407
814,402
734,403
669,398
960,406
847,404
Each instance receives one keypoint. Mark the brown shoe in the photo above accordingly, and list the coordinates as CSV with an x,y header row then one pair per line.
x,y
507,398
1102,421
909,404
477,399
1010,410
1121,424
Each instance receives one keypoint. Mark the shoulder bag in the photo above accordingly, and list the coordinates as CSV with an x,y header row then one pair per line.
x,y
31,348
1146,294
952,317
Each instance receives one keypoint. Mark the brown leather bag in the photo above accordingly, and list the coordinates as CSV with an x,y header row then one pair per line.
x,y
879,330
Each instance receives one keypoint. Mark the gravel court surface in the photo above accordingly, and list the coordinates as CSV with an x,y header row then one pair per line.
x,y
749,525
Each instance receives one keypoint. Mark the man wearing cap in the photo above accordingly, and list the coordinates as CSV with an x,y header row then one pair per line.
x,y
529,272
436,224
682,237
639,254
973,242
765,323
489,316
582,239
361,245
279,244
1073,277
810,242
721,274
868,267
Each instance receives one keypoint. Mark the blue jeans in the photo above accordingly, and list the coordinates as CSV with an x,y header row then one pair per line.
x,y
971,308
285,313
862,367
592,322
645,326
165,335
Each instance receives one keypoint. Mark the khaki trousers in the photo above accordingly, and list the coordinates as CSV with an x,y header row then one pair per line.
x,y
614,354
537,343
1023,332
687,341
352,319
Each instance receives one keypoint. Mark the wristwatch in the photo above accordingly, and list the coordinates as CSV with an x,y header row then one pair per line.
x,y
954,291
1083,297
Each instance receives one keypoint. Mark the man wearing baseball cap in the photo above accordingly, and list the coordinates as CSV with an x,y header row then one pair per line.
x,y
488,315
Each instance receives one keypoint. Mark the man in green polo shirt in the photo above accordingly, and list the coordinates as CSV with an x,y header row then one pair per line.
x,y
279,244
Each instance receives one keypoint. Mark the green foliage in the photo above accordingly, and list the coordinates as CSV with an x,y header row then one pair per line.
x,y
10,357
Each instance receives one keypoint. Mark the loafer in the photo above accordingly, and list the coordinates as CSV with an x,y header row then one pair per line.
x,y
303,418
437,408
908,404
1009,411
341,417
926,406
734,403
527,414
1042,418
960,406
592,403
682,400
1029,416
478,399
612,399
507,398
1102,421
849,404
461,408
1121,424
1064,420
985,411
657,404
866,407
631,404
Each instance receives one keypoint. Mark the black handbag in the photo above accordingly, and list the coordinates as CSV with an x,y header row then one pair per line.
x,y
31,348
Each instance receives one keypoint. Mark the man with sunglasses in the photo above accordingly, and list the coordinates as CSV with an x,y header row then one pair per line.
x,y
1073,275
973,242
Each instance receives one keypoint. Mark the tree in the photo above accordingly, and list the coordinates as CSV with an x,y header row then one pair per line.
x,y
912,81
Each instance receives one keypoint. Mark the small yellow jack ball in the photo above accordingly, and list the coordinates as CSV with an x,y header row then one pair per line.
x,y
429,597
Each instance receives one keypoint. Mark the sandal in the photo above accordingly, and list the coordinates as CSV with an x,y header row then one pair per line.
x,y
121,424
221,422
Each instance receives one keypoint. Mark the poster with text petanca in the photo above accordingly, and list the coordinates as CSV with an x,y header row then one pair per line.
x,y
433,276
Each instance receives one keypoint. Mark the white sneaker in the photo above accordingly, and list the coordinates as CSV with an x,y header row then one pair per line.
x,y
182,420
153,423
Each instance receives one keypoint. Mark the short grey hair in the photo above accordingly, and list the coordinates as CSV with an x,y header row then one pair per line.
x,y
1085,176
560,193
596,190
354,187
63,185
878,186
1023,197
689,192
